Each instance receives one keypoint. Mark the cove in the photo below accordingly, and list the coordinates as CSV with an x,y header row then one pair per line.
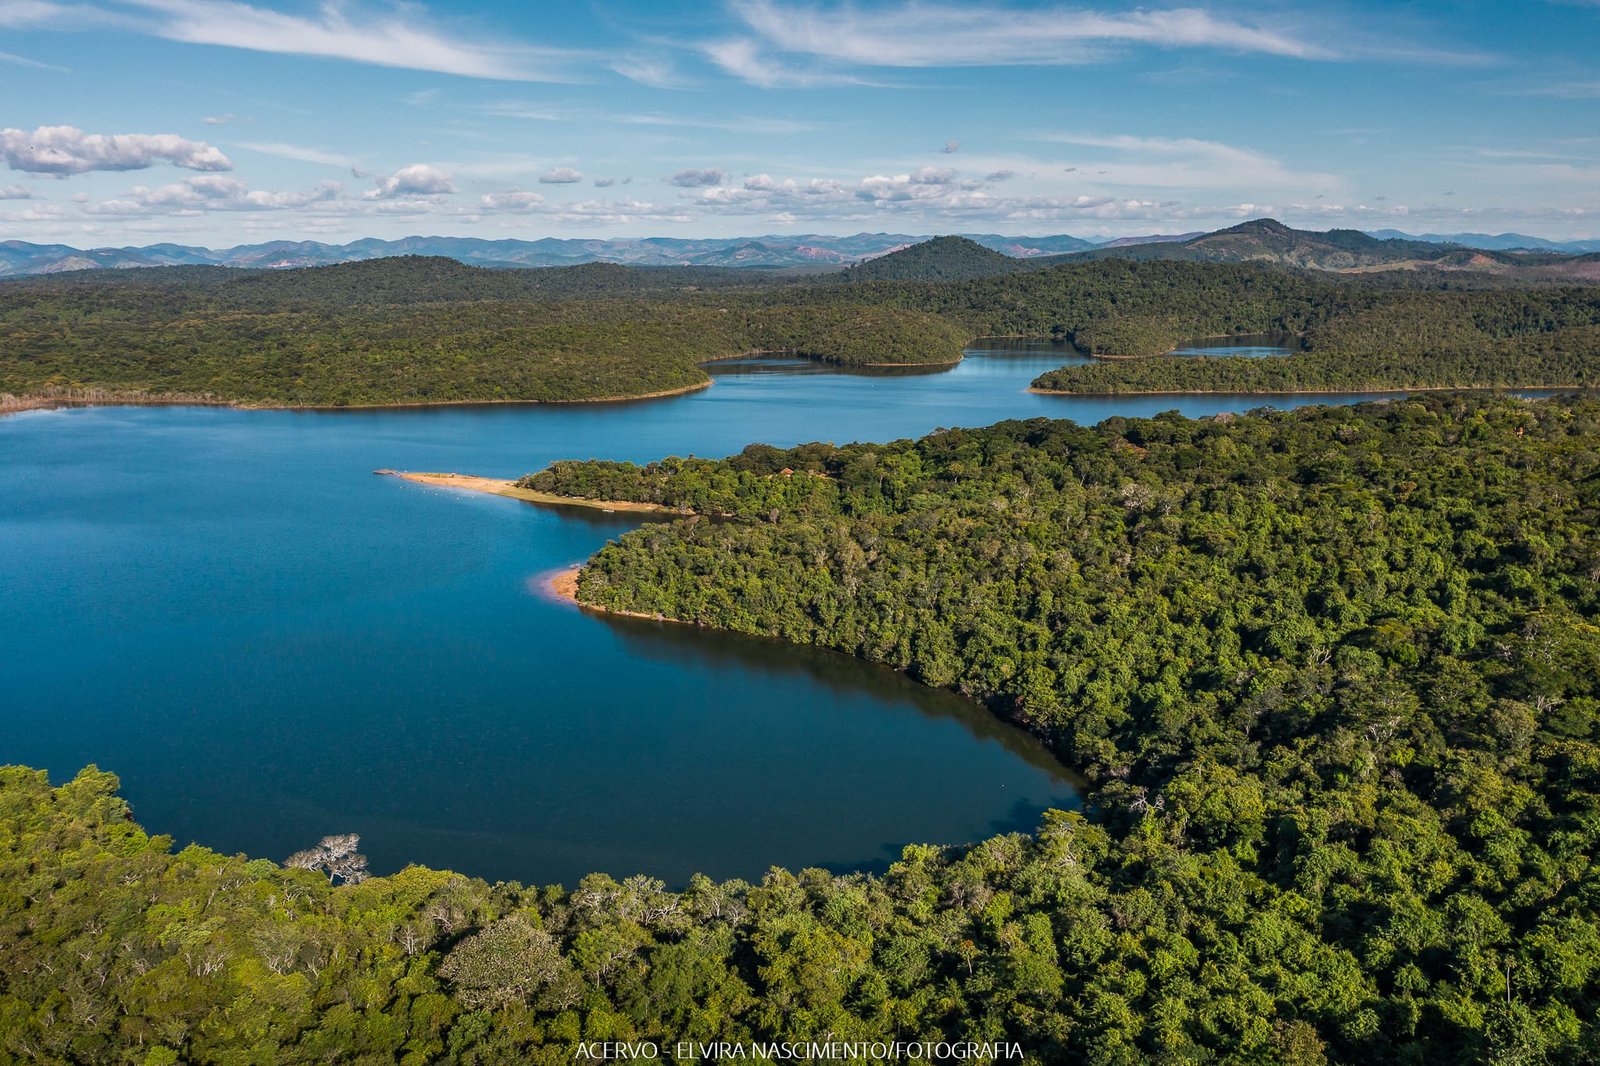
x,y
269,644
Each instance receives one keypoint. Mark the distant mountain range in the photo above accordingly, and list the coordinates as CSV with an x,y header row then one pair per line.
x,y
1258,241
1336,250
806,252
1494,242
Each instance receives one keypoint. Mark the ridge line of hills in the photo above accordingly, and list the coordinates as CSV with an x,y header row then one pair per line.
x,y
1263,240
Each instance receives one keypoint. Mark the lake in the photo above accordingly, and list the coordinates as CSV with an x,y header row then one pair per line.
x,y
270,644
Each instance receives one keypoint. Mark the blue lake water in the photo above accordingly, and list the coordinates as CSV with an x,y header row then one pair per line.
x,y
270,644
1251,347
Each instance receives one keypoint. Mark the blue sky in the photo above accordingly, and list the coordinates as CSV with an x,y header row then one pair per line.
x,y
211,122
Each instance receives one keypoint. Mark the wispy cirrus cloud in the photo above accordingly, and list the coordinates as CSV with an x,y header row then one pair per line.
x,y
804,45
749,61
1564,90
402,36
740,124
33,12
33,64
1185,163
301,154
65,150
743,124
941,35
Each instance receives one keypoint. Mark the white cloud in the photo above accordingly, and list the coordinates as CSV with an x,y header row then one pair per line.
x,y
739,124
418,179
933,35
696,178
530,112
63,150
929,182
15,192
37,213
220,120
929,197
34,64
1565,90
400,37
560,176
745,59
1186,163
951,147
586,212
31,12
516,200
1584,178
653,72
212,192
301,154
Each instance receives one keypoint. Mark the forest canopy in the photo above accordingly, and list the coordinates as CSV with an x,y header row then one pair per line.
x,y
428,330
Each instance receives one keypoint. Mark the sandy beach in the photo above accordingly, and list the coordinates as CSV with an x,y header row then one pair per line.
x,y
507,487
564,584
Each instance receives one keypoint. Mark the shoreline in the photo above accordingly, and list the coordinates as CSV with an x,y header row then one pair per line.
x,y
1314,392
403,405
508,487
820,360
33,402
18,403
563,585
13,404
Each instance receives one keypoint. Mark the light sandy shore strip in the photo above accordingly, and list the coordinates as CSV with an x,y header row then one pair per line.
x,y
506,487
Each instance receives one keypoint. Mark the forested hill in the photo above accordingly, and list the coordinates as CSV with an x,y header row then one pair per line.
x,y
940,259
1266,240
1332,675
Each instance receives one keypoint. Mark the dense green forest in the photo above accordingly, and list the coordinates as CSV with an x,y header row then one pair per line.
x,y
1331,675
421,330
410,330
1482,339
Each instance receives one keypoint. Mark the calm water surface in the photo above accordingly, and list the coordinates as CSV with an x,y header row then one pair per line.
x,y
1253,346
269,644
